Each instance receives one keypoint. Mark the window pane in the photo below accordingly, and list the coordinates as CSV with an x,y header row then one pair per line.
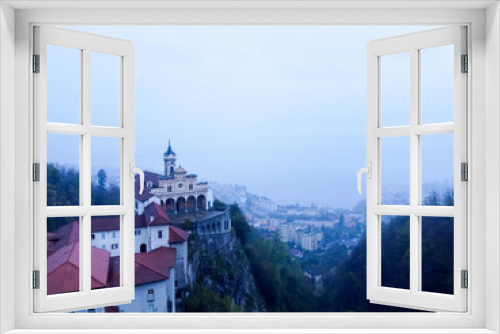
x,y
63,255
395,171
437,169
63,170
106,171
105,259
437,254
395,89
63,84
395,252
437,84
105,81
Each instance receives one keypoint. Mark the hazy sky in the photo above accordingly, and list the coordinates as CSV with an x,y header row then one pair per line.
x,y
281,110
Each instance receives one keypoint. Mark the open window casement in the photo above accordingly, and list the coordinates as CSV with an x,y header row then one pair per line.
x,y
413,121
69,272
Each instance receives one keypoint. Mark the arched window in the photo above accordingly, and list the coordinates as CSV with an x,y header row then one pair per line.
x,y
143,248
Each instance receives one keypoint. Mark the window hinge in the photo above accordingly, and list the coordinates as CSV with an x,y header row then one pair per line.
x,y
36,279
465,64
465,279
464,168
36,172
36,63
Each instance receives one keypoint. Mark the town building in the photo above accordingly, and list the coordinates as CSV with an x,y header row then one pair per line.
x,y
306,237
154,286
154,271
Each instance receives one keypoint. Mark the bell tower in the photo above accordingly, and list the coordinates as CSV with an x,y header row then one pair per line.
x,y
169,158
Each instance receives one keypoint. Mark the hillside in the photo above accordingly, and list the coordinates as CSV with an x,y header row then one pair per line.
x,y
223,279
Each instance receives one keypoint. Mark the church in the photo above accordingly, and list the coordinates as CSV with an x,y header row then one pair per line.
x,y
178,190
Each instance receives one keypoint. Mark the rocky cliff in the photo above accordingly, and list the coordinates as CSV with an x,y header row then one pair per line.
x,y
218,264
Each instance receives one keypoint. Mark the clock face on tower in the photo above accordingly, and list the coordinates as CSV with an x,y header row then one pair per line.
x,y
180,185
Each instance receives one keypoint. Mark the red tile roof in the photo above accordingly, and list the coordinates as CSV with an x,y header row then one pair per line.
x,y
149,267
112,223
105,223
66,235
99,267
114,272
177,235
140,221
159,215
63,274
159,261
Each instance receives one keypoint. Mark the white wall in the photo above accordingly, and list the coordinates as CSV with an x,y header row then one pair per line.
x,y
141,239
157,242
108,240
492,162
7,159
162,290
181,262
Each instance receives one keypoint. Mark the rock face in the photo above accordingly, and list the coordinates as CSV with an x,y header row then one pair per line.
x,y
219,262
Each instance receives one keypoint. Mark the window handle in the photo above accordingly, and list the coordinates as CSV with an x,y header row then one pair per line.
x,y
368,171
139,171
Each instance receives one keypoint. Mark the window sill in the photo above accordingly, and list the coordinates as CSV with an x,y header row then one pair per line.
x,y
253,331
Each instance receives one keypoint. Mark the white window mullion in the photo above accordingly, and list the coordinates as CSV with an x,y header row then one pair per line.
x,y
86,185
86,249
372,185
128,160
414,169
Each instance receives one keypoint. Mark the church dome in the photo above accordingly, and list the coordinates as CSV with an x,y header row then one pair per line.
x,y
180,170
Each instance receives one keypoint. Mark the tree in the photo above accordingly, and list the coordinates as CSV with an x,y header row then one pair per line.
x,y
62,186
240,224
188,225
449,198
101,178
432,199
102,194
204,299
219,205
345,289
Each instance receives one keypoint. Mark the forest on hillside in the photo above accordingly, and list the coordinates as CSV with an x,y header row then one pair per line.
x,y
285,288
63,189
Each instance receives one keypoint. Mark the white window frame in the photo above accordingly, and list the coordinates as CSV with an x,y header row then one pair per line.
x,y
413,44
483,19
